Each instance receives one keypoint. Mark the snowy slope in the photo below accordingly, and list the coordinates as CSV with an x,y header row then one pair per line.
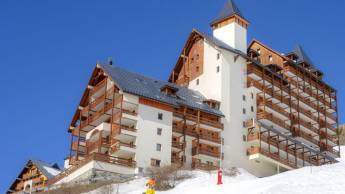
x,y
328,179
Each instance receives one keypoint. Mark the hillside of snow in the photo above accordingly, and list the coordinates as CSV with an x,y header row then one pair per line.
x,y
327,179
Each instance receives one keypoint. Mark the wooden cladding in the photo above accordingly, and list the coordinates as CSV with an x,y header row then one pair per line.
x,y
191,62
240,21
155,104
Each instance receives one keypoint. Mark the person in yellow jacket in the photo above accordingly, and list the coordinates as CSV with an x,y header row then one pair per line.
x,y
150,184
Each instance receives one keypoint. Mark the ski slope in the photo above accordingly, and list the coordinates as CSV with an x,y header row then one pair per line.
x,y
327,179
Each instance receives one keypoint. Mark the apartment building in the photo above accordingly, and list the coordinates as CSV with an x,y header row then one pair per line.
x,y
225,104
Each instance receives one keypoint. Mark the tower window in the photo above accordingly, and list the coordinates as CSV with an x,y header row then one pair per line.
x,y
244,111
218,56
244,97
252,95
252,108
159,131
218,69
160,116
197,68
158,147
197,82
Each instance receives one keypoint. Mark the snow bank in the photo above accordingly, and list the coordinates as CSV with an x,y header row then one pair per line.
x,y
327,179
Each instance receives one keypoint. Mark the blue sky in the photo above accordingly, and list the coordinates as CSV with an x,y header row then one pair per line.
x,y
49,48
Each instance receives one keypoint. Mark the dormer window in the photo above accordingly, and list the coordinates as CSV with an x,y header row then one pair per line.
x,y
169,90
212,103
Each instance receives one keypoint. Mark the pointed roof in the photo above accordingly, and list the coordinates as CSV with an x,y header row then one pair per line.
x,y
302,55
229,9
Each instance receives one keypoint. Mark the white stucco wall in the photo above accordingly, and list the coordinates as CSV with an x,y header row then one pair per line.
x,y
210,79
234,35
147,137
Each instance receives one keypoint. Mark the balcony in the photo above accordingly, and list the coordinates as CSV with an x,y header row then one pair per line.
x,y
98,87
262,115
97,145
192,130
130,163
177,144
277,95
196,164
203,120
294,71
206,152
253,136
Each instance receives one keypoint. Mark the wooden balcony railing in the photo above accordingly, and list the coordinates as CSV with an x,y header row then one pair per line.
x,y
94,156
293,153
75,146
107,95
176,160
312,94
101,142
203,151
203,134
203,120
117,129
327,90
99,86
178,145
277,95
253,136
204,166
269,116
273,107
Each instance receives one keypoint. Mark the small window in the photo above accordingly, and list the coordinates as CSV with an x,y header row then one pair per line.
x,y
155,162
259,51
244,97
218,56
197,68
160,116
252,108
218,69
270,58
252,95
197,82
158,147
244,124
244,138
244,111
159,131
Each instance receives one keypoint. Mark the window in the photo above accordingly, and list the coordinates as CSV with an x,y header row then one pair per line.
x,y
159,131
244,111
252,108
158,147
197,68
155,162
252,95
160,116
259,51
270,58
244,97
244,124
218,69
218,56
197,82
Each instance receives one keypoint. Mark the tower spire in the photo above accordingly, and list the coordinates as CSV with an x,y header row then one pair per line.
x,y
231,27
229,10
